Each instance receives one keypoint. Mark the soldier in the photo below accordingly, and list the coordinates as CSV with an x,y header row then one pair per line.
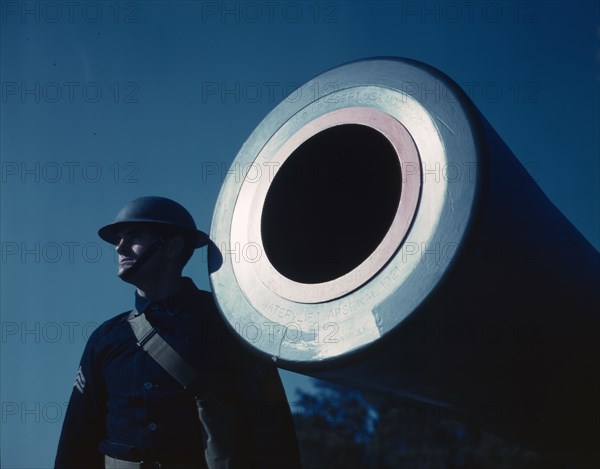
x,y
166,385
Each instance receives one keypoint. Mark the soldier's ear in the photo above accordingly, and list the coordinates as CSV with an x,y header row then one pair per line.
x,y
175,245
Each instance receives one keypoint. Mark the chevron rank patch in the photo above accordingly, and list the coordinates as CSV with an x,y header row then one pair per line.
x,y
80,381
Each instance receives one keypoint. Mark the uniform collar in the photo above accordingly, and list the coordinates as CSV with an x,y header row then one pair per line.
x,y
173,304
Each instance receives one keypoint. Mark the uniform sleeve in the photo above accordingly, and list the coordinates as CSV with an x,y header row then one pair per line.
x,y
247,394
244,412
269,417
83,427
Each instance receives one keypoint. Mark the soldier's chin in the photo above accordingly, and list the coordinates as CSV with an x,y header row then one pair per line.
x,y
126,272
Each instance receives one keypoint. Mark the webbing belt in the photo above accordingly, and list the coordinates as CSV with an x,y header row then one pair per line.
x,y
114,463
165,355
219,428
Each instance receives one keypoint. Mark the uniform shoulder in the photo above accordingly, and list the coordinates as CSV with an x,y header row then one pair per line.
x,y
109,325
202,298
115,320
207,297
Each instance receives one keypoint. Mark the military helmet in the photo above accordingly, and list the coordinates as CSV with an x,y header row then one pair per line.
x,y
160,212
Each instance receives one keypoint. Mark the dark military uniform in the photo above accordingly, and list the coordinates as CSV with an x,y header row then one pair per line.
x,y
126,406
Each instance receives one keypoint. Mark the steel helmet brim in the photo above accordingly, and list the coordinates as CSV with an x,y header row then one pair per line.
x,y
158,211
110,233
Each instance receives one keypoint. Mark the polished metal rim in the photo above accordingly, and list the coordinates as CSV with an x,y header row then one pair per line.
x,y
311,323
246,226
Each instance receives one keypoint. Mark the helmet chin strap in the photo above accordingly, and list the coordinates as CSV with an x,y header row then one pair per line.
x,y
145,257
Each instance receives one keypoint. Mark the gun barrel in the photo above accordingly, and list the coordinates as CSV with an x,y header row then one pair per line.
x,y
384,236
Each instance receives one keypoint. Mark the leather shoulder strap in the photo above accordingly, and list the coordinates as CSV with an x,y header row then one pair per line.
x,y
158,348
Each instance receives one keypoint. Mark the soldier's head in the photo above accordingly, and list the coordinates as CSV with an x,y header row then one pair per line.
x,y
153,236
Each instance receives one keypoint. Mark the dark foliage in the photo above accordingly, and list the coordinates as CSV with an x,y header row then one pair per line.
x,y
340,427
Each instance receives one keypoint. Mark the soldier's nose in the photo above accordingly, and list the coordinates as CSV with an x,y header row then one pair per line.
x,y
121,246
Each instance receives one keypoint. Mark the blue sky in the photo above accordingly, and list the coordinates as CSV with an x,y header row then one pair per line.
x,y
102,102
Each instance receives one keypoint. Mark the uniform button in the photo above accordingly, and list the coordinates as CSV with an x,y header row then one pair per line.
x,y
148,385
152,427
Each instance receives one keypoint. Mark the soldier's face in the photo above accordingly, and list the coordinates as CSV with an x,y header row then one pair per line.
x,y
133,243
